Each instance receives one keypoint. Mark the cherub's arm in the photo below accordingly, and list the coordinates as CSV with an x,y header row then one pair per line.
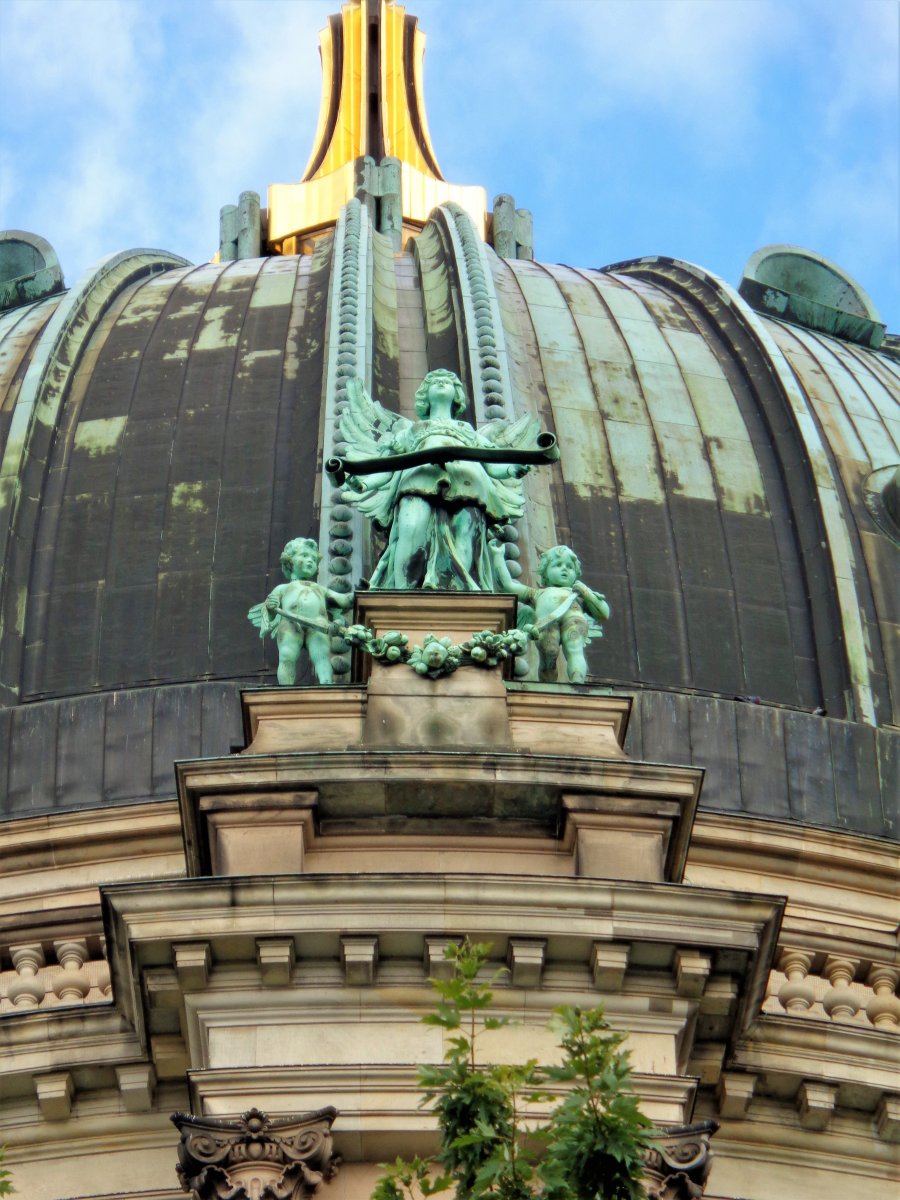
x,y
338,599
273,600
503,577
594,602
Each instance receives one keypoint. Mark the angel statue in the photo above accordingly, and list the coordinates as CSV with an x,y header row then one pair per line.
x,y
437,485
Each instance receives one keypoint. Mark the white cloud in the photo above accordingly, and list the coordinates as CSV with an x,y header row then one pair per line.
x,y
71,52
257,117
848,212
859,66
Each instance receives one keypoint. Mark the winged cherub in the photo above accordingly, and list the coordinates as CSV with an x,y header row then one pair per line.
x,y
300,612
438,510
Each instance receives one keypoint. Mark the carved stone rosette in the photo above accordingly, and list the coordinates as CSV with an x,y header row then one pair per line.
x,y
677,1166
255,1158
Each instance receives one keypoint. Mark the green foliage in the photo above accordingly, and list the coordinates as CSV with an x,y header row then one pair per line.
x,y
592,1143
596,1134
6,1187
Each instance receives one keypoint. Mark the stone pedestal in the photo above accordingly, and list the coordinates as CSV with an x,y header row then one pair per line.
x,y
483,764
466,709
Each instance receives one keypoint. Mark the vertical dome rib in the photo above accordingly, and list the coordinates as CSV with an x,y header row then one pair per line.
x,y
843,652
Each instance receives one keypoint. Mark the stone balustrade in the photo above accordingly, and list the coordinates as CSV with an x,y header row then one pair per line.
x,y
834,987
70,971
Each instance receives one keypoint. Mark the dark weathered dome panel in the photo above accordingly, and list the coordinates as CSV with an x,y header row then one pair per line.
x,y
667,483
176,479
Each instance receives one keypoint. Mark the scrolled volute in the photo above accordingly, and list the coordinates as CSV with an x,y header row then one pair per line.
x,y
254,1157
677,1165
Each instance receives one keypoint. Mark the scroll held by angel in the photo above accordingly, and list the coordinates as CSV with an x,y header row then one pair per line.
x,y
437,486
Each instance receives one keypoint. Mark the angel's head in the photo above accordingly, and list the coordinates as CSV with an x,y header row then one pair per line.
x,y
440,379
559,566
300,559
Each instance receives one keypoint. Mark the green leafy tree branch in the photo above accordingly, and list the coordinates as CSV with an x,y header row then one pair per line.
x,y
591,1146
6,1187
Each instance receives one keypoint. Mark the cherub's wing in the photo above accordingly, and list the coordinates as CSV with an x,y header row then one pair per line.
x,y
366,425
518,435
594,628
261,619
524,615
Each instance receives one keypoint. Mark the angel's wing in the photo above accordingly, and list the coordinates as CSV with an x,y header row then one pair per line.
x,y
520,435
366,426
261,619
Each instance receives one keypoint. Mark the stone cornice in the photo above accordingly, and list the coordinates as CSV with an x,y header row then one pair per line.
x,y
54,1039
145,919
375,791
786,848
821,1050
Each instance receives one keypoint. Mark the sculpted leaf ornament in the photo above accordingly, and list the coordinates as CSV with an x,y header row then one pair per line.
x,y
438,657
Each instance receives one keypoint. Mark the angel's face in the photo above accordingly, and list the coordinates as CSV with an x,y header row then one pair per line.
x,y
442,388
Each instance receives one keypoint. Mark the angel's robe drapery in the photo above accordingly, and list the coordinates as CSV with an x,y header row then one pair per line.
x,y
466,499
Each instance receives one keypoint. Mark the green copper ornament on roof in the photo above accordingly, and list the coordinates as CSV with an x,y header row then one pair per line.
x,y
437,485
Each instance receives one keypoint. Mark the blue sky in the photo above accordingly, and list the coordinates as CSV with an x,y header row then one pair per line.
x,y
699,129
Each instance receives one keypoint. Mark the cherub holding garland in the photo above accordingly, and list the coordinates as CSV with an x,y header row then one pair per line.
x,y
567,614
297,613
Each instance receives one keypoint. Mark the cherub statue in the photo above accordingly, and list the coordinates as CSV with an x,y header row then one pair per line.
x,y
298,613
442,485
566,612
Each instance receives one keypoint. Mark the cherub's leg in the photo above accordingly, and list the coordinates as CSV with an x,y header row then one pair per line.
x,y
574,638
548,653
289,646
410,546
318,648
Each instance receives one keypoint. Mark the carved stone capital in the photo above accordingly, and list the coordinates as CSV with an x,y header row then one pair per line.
x,y
254,1157
677,1165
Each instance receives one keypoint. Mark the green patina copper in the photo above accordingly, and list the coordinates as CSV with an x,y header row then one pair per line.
x,y
301,613
563,613
29,269
807,289
438,657
438,486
